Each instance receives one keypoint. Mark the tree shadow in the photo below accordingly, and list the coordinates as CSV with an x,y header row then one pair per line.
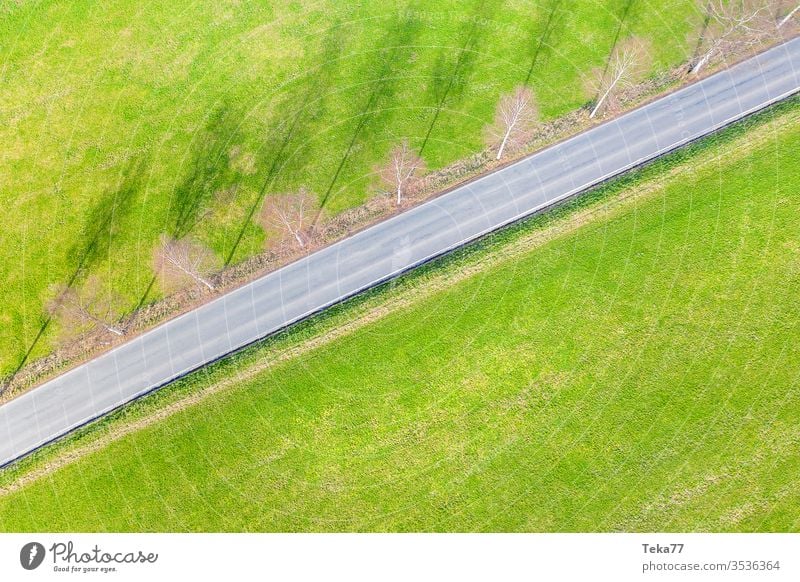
x,y
104,219
450,80
383,69
702,33
101,226
307,105
542,36
624,18
209,171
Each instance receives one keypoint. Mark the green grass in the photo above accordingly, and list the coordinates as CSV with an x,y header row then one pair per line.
x,y
122,122
637,372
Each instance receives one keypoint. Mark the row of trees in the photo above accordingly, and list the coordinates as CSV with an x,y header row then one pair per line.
x,y
731,26
92,306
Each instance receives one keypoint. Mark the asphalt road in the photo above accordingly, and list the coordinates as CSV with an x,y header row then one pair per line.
x,y
330,275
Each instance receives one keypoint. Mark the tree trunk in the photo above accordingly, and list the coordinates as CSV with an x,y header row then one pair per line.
x,y
701,63
112,329
205,282
197,277
503,144
788,16
602,99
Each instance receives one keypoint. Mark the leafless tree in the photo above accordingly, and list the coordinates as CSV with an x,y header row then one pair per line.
x,y
514,121
180,260
629,61
402,170
290,215
90,305
733,25
788,17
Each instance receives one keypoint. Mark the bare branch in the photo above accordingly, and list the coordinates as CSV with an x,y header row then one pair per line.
x,y
514,121
629,61
180,260
402,170
90,306
734,25
290,215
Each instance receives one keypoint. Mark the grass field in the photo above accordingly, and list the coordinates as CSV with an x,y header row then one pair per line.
x,y
631,365
123,122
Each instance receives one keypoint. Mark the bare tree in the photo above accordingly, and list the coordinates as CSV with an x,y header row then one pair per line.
x,y
179,260
290,215
733,25
514,121
90,305
788,17
629,61
402,170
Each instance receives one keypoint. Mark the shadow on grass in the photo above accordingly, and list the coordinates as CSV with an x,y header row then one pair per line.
x,y
542,35
297,127
702,34
101,226
450,80
624,18
209,172
383,70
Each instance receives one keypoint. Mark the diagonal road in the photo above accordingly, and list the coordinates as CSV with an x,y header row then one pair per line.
x,y
330,275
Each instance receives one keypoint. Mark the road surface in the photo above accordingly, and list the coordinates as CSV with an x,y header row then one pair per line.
x,y
330,275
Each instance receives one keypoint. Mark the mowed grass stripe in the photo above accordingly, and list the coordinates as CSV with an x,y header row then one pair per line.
x,y
638,372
